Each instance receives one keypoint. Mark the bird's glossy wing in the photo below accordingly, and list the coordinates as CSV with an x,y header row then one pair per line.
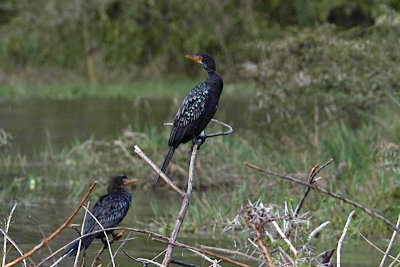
x,y
109,211
192,109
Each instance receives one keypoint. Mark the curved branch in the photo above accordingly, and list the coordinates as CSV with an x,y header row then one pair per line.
x,y
229,131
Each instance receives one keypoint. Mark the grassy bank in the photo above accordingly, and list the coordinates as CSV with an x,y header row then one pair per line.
x,y
365,168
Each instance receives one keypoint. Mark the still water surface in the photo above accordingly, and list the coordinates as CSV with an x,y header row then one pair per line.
x,y
29,121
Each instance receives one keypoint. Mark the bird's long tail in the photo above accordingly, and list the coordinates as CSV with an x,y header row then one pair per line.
x,y
167,159
73,248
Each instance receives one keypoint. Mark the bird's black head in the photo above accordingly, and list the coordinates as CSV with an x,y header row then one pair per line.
x,y
117,183
205,60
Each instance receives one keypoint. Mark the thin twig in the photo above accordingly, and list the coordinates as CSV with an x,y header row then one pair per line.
x,y
287,241
375,247
229,131
45,241
42,232
122,244
97,258
182,212
105,235
212,254
7,237
324,191
80,240
6,231
339,246
233,252
205,257
159,172
314,171
156,237
389,248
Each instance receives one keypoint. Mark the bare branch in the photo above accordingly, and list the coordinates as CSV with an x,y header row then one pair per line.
x,y
389,248
229,131
209,253
182,212
42,232
339,246
233,252
82,232
316,231
7,237
324,191
48,239
311,180
159,172
6,232
375,247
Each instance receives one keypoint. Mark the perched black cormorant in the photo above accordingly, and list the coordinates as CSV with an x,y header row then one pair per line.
x,y
109,210
197,109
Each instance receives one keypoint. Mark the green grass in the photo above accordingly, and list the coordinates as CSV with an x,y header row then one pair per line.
x,y
143,88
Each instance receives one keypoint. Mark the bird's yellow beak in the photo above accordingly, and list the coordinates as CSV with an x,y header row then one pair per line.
x,y
129,181
194,58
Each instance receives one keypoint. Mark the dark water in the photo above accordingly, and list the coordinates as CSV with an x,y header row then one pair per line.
x,y
32,121
29,121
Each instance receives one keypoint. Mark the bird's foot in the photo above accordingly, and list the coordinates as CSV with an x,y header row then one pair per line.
x,y
199,140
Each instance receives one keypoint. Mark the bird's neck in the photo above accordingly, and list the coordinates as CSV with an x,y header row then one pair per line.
x,y
215,80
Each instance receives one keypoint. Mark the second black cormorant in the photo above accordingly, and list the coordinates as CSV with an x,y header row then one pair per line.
x,y
197,109
109,210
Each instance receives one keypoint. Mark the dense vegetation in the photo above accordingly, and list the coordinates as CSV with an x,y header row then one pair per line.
x,y
328,90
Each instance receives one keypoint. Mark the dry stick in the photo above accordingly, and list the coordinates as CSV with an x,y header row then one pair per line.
x,y
339,246
375,247
324,191
6,231
206,252
182,212
105,235
389,248
316,231
282,234
264,248
48,239
159,172
314,171
80,240
7,237
233,252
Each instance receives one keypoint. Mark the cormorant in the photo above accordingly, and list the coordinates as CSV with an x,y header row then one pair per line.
x,y
109,210
197,109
